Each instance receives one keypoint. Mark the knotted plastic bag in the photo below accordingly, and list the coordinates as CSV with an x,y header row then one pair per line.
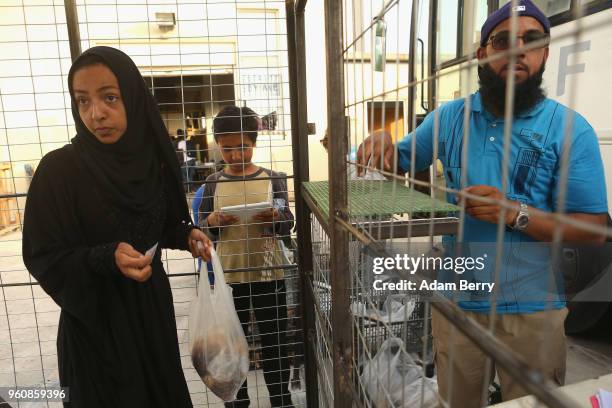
x,y
391,379
219,350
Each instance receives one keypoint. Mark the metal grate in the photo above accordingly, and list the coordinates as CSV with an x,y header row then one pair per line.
x,y
364,198
388,65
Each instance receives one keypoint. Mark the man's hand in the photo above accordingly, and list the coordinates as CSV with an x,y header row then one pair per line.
x,y
199,244
372,148
267,216
540,227
485,211
219,219
132,263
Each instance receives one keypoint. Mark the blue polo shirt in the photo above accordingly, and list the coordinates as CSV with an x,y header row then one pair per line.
x,y
536,147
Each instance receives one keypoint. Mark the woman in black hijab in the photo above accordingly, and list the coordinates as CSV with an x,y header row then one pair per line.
x,y
93,210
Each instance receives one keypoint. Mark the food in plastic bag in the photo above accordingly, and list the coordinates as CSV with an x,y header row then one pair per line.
x,y
391,379
219,350
395,309
224,361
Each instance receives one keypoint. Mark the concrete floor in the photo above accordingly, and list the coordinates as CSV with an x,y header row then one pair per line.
x,y
28,355
28,330
589,356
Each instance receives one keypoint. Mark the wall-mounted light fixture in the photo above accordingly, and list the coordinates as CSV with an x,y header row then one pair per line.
x,y
165,21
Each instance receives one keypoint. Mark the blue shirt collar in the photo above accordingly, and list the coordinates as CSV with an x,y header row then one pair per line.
x,y
477,106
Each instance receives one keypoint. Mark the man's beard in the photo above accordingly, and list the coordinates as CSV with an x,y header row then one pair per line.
x,y
493,91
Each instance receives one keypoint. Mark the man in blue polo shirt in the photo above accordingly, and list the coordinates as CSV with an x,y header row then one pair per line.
x,y
530,314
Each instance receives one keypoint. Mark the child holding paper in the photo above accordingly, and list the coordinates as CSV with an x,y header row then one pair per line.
x,y
249,245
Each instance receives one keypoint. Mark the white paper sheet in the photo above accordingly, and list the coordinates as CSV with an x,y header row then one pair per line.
x,y
246,212
151,251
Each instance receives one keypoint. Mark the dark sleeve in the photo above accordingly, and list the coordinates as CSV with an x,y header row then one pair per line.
x,y
178,221
279,189
54,247
207,206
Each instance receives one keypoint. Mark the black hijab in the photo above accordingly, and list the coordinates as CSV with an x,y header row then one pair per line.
x,y
129,172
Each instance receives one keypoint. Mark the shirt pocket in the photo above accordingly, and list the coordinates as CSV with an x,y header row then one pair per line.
x,y
544,183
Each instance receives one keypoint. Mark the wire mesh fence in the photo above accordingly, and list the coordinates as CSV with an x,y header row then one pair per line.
x,y
322,308
404,333
369,341
196,58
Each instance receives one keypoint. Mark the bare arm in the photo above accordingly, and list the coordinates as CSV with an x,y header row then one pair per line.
x,y
539,227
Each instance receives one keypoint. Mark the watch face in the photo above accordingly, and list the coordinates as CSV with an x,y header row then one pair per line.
x,y
522,220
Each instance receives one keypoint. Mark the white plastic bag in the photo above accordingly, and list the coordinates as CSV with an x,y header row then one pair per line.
x,y
395,309
390,379
219,350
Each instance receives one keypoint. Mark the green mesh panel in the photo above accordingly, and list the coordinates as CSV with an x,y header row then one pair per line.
x,y
374,197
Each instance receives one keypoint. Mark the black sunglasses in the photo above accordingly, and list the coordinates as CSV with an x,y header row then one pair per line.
x,y
501,40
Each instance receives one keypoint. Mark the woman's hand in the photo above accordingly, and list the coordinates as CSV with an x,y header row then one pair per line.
x,y
219,219
199,244
132,263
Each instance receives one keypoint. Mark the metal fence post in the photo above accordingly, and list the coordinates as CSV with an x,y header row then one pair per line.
x,y
339,267
299,135
74,35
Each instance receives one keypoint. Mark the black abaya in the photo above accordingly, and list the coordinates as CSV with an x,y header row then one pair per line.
x,y
117,342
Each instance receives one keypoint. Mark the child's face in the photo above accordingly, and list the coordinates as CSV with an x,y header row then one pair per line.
x,y
236,150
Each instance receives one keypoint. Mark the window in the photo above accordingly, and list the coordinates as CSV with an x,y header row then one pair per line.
x,y
456,42
471,35
447,32
596,3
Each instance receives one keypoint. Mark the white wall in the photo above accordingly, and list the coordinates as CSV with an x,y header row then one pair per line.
x,y
247,40
316,86
588,91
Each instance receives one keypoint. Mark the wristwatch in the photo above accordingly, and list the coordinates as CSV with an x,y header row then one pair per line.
x,y
522,218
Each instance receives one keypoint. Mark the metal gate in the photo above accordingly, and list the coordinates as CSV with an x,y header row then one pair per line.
x,y
374,347
196,58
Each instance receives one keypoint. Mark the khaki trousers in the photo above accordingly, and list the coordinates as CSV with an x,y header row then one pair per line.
x,y
538,337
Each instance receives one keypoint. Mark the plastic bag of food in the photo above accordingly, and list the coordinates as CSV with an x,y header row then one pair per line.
x,y
219,350
392,379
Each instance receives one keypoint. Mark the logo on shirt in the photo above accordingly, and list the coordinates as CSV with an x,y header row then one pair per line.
x,y
525,171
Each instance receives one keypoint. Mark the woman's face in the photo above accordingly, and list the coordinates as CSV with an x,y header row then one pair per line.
x,y
98,98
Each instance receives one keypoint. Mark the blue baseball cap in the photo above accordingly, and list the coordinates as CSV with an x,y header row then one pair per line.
x,y
523,8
